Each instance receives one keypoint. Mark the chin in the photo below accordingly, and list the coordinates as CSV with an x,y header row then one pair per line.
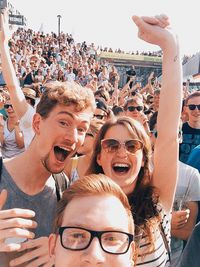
x,y
53,168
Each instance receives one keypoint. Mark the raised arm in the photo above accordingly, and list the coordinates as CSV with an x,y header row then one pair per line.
x,y
156,31
17,97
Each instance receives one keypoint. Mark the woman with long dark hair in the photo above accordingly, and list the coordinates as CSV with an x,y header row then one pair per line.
x,y
123,151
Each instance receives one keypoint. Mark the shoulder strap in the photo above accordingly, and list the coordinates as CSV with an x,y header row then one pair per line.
x,y
162,232
61,182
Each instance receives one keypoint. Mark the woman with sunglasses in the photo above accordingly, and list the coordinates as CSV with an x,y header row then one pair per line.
x,y
123,151
11,136
101,234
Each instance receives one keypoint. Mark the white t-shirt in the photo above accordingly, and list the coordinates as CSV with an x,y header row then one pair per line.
x,y
26,126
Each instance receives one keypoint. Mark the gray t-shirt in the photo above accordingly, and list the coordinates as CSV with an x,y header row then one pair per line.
x,y
44,205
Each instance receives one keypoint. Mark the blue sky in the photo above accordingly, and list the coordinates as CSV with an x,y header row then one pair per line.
x,y
108,22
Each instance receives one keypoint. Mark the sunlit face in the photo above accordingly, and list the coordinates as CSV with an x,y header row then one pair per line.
x,y
100,114
87,147
193,115
122,166
135,113
9,109
107,214
60,135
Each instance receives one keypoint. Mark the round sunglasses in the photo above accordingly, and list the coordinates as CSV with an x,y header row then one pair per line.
x,y
113,145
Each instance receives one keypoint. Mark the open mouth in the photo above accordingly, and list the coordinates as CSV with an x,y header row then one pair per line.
x,y
61,153
121,168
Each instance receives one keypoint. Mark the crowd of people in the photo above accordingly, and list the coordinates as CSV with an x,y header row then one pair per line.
x,y
94,174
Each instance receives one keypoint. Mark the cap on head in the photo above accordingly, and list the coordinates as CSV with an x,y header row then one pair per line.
x,y
28,92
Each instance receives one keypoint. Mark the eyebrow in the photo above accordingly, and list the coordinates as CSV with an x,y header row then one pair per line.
x,y
71,115
82,225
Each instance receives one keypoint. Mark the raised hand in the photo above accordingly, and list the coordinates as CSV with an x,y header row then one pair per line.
x,y
154,30
5,32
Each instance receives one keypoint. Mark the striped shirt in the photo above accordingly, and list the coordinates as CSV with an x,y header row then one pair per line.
x,y
158,257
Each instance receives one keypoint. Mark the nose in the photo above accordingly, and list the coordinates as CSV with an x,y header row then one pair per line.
x,y
122,152
71,135
94,255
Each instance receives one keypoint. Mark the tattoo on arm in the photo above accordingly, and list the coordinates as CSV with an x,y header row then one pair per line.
x,y
175,58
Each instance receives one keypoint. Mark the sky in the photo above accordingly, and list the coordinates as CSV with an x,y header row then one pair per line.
x,y
108,23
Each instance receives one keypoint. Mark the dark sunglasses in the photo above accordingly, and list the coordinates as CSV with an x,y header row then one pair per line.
x,y
6,106
193,107
112,145
99,117
132,108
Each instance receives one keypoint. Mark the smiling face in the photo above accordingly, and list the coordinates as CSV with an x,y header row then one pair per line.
x,y
9,109
107,214
193,115
60,135
136,108
123,167
87,147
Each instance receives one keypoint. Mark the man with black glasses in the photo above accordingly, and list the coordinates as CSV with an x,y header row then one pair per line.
x,y
191,129
101,234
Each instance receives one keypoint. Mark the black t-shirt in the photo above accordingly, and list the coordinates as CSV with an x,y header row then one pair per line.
x,y
28,80
191,139
130,73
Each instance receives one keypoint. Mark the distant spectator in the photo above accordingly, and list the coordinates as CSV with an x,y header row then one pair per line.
x,y
191,128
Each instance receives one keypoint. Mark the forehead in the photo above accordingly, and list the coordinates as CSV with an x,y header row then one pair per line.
x,y
84,115
119,132
194,100
136,101
108,212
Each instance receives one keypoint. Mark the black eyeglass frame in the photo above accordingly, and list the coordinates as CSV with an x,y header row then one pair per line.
x,y
97,234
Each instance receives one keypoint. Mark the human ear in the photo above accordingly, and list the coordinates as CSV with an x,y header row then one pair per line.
x,y
36,123
52,245
99,159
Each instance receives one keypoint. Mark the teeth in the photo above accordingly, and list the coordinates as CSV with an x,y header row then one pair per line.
x,y
121,165
64,148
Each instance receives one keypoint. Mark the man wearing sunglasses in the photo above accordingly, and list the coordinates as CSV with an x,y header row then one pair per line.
x,y
191,128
